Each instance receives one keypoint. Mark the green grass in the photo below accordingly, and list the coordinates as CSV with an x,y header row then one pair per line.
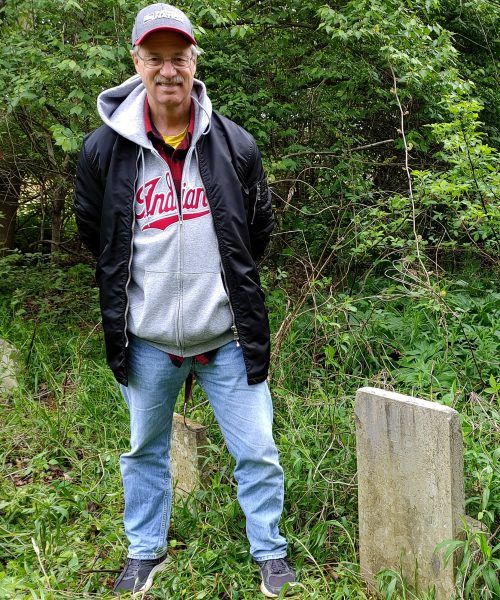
x,y
64,428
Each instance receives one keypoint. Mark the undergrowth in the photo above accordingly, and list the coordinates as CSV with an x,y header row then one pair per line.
x,y
65,427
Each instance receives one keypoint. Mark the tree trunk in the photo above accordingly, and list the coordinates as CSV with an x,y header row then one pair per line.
x,y
57,215
59,201
10,188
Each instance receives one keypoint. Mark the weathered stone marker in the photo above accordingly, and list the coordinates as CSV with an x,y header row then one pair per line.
x,y
411,491
8,367
187,455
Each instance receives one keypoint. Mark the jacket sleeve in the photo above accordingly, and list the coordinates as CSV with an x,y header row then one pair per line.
x,y
89,193
261,216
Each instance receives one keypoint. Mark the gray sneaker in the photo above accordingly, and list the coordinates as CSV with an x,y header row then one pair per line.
x,y
137,575
276,573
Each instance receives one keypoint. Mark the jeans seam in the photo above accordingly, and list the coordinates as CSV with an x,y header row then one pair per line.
x,y
162,536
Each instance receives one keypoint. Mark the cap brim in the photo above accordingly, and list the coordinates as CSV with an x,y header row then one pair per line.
x,y
165,28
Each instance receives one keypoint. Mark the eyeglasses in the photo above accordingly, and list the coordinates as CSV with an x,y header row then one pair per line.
x,y
157,62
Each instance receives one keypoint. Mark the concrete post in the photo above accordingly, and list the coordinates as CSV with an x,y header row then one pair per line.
x,y
411,490
187,455
8,367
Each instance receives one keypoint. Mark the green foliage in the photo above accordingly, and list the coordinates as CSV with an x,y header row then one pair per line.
x,y
60,514
474,25
58,53
479,563
392,586
312,83
63,431
378,125
462,198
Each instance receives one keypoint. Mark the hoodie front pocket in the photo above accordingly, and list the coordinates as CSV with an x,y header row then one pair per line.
x,y
205,311
156,317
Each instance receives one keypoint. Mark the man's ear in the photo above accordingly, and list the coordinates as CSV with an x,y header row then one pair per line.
x,y
136,60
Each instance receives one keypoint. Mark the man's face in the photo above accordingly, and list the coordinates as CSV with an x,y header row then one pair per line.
x,y
166,86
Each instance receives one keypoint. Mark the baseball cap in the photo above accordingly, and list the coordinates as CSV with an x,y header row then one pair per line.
x,y
158,17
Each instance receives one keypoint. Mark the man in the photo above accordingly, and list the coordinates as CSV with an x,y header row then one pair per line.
x,y
172,200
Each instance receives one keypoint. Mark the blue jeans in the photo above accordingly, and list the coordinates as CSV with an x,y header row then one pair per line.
x,y
244,413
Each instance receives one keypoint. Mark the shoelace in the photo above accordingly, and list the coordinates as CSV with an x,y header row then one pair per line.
x,y
279,566
133,566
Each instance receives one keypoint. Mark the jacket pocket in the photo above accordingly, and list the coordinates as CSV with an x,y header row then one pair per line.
x,y
261,203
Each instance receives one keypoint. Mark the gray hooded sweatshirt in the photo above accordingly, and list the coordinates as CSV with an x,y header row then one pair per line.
x,y
176,296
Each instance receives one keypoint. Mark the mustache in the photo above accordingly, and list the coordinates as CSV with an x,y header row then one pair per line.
x,y
169,80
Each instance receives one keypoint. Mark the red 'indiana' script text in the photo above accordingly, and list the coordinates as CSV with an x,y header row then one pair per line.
x,y
156,203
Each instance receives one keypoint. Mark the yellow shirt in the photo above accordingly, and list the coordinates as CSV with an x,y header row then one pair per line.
x,y
175,140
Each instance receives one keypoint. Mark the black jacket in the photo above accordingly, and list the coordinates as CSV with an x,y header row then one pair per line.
x,y
240,201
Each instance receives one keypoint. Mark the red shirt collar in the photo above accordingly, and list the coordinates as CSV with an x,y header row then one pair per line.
x,y
153,133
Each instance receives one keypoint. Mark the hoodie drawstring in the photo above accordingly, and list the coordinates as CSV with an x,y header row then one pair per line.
x,y
209,126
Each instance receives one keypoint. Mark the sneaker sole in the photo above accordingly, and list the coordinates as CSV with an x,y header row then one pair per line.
x,y
269,594
149,580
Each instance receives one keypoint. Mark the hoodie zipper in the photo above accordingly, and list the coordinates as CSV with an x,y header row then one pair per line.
x,y
180,324
179,253
187,163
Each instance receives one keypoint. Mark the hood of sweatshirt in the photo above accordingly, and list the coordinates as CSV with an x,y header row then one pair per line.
x,y
176,296
122,108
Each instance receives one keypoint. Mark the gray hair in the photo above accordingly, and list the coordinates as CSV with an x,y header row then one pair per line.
x,y
195,51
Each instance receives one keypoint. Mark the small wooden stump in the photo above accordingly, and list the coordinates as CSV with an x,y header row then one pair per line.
x,y
187,455
411,489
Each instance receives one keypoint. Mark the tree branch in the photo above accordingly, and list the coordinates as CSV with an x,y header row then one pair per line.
x,y
333,153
